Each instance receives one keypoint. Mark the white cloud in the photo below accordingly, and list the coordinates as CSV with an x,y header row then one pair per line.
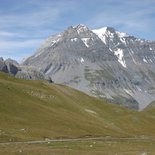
x,y
30,19
7,34
26,24
18,49
42,13
132,16
8,45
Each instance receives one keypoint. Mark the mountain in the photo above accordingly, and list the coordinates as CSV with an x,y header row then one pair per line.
x,y
9,66
37,110
104,63
29,73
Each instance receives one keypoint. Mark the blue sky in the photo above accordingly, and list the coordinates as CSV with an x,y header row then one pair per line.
x,y
24,24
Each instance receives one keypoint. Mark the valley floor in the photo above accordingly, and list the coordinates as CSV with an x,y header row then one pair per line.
x,y
83,147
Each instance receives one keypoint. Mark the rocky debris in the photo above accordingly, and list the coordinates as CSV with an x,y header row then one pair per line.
x,y
29,73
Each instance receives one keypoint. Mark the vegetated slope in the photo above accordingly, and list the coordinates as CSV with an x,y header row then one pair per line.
x,y
32,110
150,110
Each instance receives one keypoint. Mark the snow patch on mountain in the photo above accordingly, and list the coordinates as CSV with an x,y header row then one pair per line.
x,y
85,41
59,35
145,60
82,60
119,53
101,33
130,53
74,39
128,91
121,34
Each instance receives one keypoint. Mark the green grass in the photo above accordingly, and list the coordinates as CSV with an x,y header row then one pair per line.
x,y
33,110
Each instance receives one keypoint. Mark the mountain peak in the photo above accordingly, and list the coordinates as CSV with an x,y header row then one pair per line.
x,y
100,33
103,30
69,30
100,30
111,29
122,34
81,28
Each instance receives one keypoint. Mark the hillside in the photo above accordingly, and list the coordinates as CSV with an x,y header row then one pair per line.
x,y
33,110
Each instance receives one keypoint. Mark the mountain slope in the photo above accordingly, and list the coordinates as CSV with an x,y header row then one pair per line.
x,y
103,63
32,110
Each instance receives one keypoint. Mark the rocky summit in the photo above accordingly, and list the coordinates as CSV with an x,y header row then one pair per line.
x,y
104,63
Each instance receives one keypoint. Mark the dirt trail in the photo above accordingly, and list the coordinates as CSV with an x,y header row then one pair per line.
x,y
74,139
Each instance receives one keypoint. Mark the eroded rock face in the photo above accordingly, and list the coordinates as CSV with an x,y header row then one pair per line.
x,y
3,66
103,63
12,66
8,66
29,73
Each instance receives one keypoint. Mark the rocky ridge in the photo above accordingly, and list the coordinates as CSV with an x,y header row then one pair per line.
x,y
29,73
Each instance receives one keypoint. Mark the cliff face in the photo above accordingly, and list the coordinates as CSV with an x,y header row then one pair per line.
x,y
103,63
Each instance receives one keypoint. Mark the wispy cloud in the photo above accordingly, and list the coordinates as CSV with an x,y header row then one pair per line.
x,y
18,49
35,14
6,34
25,23
9,45
135,17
